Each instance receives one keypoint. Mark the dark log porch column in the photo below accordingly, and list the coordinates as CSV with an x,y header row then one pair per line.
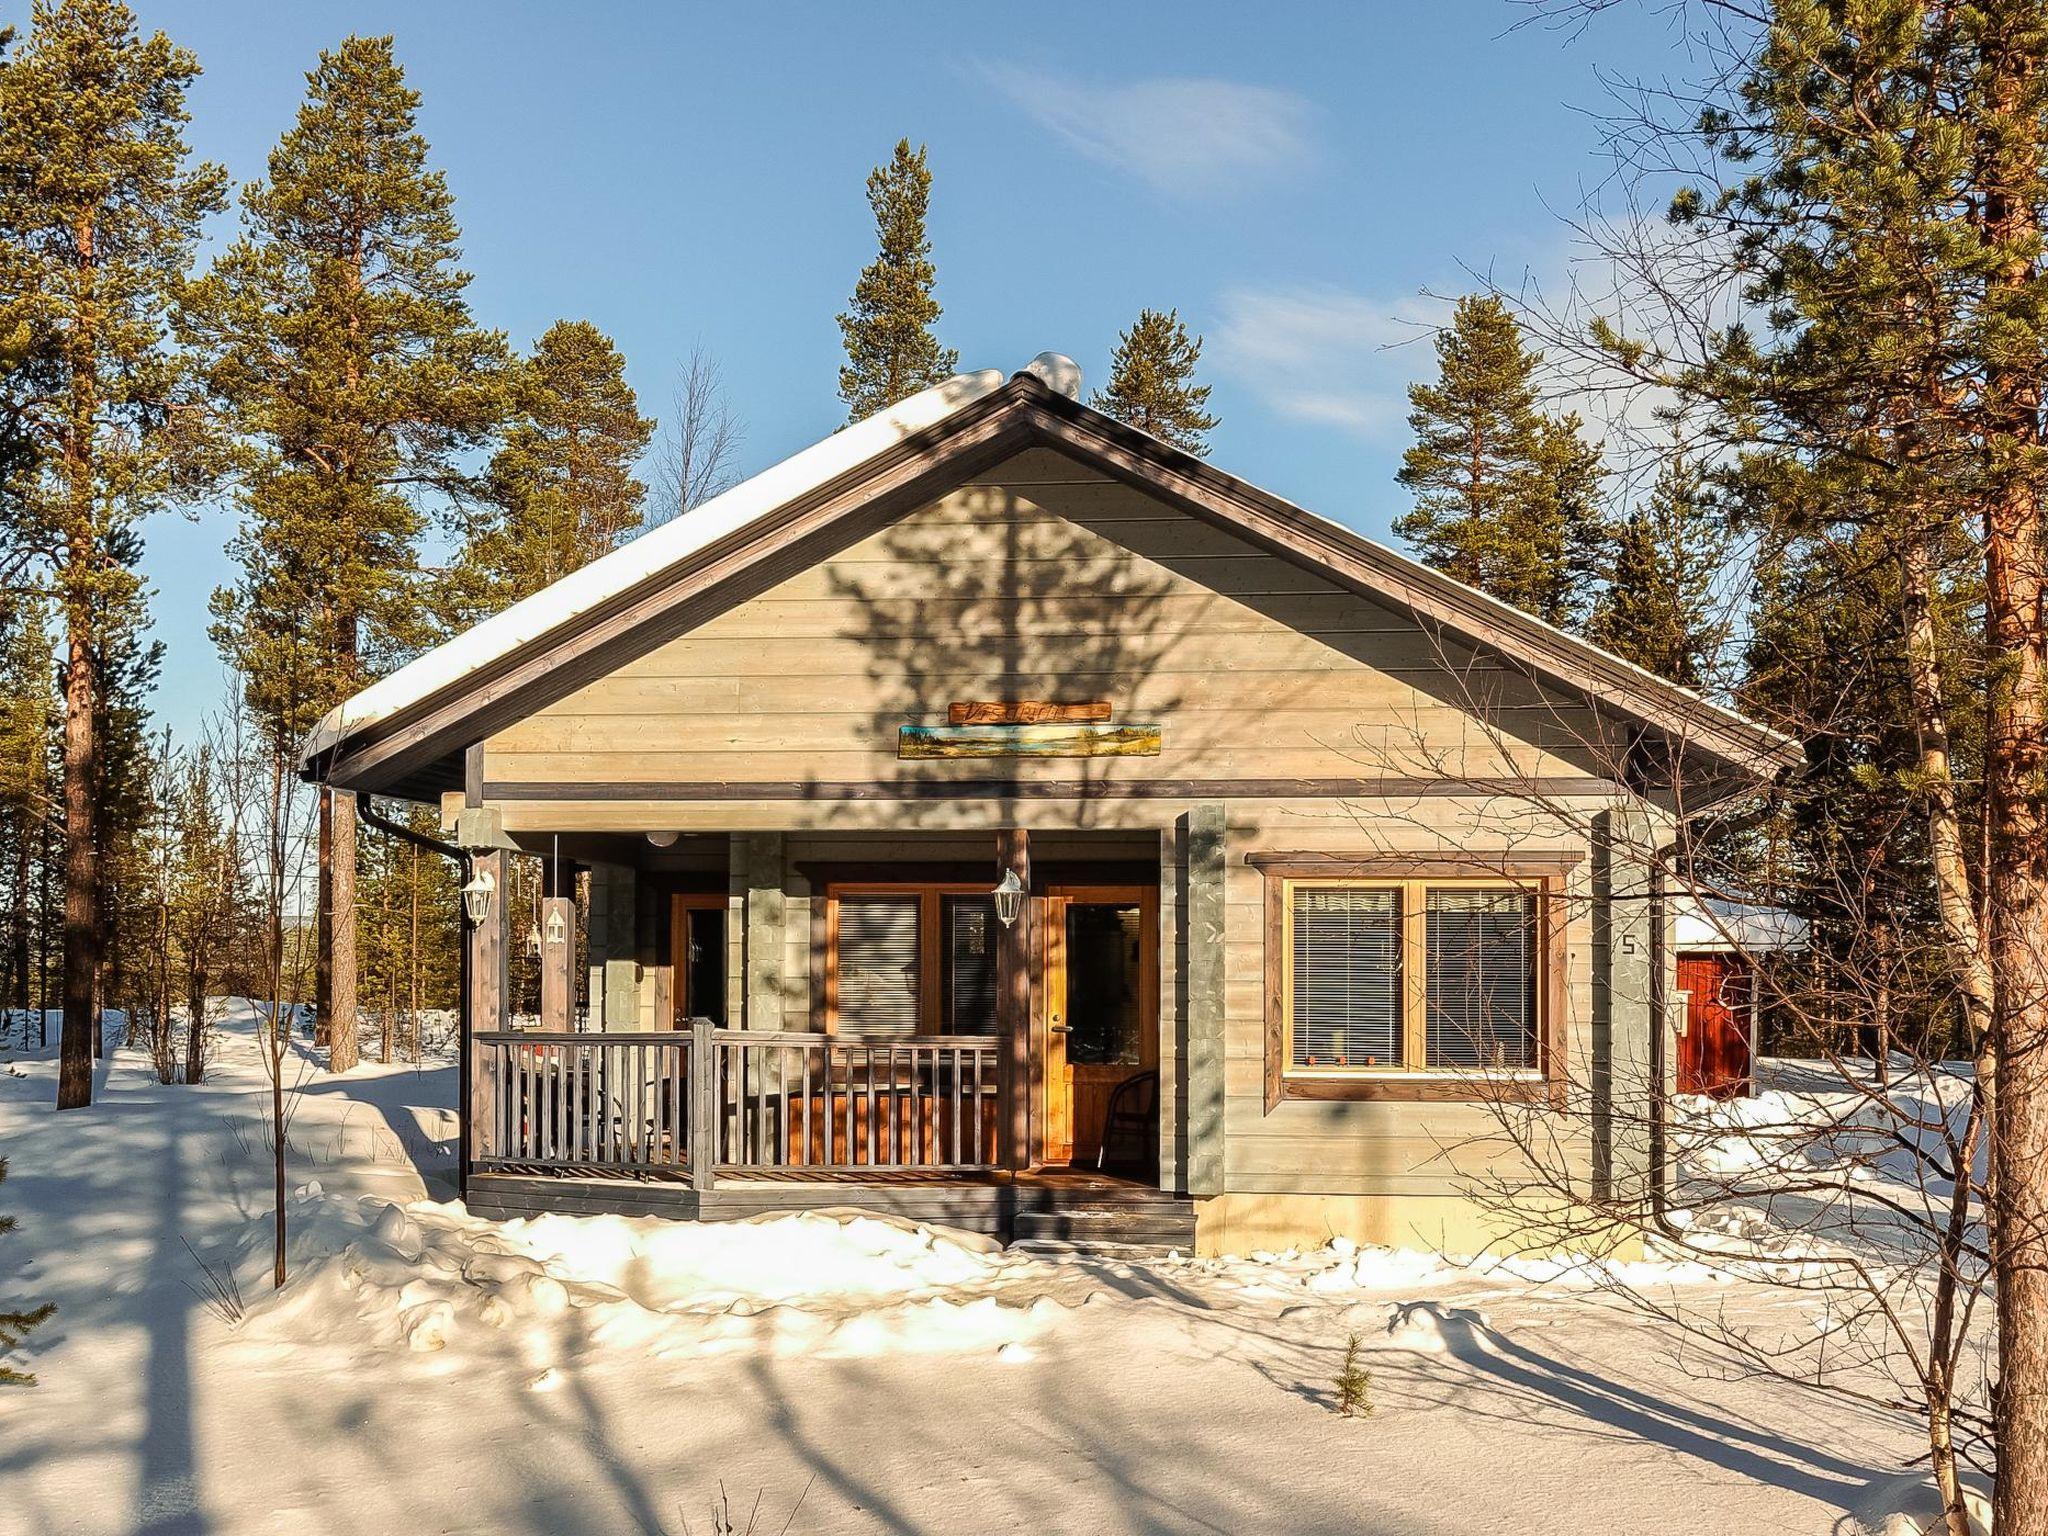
x,y
486,1003
1014,949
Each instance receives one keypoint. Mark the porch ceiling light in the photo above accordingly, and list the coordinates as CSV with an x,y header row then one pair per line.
x,y
476,896
662,839
1009,897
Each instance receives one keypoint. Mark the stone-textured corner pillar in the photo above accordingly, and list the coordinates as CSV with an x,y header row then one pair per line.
x,y
1204,904
1626,1054
614,968
764,916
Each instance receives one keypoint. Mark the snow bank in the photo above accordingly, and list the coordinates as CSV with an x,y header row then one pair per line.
x,y
427,1276
1910,1506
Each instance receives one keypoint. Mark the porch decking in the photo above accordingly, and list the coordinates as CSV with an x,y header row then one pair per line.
x,y
1044,1205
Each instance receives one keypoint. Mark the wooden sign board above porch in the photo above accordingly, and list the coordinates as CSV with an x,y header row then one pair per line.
x,y
1088,739
1024,712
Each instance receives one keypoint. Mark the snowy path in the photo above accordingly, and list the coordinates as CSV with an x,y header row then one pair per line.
x,y
1170,1398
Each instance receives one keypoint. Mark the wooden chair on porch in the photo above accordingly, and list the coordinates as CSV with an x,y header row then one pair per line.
x,y
1130,1126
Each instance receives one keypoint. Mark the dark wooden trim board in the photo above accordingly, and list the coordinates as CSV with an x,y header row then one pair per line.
x,y
1047,789
1509,863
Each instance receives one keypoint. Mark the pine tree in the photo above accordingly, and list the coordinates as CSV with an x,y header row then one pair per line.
x,y
1151,382
1506,498
28,737
891,353
17,1323
1657,604
1885,205
99,215
340,346
561,491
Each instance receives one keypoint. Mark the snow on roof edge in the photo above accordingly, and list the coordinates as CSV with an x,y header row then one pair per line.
x,y
650,553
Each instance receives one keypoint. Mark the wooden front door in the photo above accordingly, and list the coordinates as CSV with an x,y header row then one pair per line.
x,y
1098,1022
1714,1052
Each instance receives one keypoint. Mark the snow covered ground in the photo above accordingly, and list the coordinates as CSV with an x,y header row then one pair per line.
x,y
425,1371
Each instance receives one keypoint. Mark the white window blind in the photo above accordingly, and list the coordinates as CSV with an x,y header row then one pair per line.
x,y
1346,978
878,964
1481,980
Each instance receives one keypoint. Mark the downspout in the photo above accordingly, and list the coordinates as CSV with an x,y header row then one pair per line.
x,y
1660,1024
465,868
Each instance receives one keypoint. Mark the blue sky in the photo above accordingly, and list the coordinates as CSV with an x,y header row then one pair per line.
x,y
1294,178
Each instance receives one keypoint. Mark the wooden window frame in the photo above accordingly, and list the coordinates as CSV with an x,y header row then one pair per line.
x,y
681,905
1545,880
931,895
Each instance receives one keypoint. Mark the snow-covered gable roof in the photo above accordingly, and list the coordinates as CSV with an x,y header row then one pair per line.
x,y
649,554
440,696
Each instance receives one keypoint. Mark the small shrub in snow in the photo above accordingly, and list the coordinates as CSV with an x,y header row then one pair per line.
x,y
723,1523
218,1290
15,1325
1353,1383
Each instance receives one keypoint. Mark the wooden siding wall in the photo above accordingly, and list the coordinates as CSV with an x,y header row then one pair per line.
x,y
1042,580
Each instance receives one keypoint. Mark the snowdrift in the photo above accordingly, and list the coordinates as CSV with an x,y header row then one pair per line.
x,y
371,1274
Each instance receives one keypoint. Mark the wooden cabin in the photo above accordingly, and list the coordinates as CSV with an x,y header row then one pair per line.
x,y
1721,948
994,815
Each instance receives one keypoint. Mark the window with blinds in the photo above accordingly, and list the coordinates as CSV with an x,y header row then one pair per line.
x,y
1480,984
970,954
1352,1000
878,964
1346,981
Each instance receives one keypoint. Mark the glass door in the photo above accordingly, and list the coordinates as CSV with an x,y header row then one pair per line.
x,y
1101,1011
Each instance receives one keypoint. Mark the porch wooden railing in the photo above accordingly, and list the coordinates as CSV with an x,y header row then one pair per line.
x,y
837,1102
582,1102
703,1100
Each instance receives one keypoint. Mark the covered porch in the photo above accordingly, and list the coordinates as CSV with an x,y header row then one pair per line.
x,y
715,1025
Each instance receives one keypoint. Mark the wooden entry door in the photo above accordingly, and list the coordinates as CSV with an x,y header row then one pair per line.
x,y
1099,1020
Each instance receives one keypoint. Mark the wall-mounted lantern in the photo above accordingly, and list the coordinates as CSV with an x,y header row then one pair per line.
x,y
558,928
476,896
1009,897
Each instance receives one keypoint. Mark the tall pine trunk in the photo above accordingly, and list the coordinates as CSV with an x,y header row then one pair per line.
x,y
2016,758
81,866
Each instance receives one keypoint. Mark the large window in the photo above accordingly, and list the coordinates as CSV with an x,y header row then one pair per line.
x,y
1406,977
912,960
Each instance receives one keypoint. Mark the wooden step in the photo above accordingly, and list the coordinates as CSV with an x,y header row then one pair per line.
x,y
1164,1229
1053,1248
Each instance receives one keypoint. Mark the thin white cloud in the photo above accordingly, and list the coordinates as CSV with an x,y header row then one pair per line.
x,y
1183,137
1325,355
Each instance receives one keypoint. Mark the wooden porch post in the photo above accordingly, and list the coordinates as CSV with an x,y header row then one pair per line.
x,y
557,961
486,1006
1013,1002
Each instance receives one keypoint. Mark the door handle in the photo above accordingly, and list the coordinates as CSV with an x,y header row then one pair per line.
x,y
1059,1029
